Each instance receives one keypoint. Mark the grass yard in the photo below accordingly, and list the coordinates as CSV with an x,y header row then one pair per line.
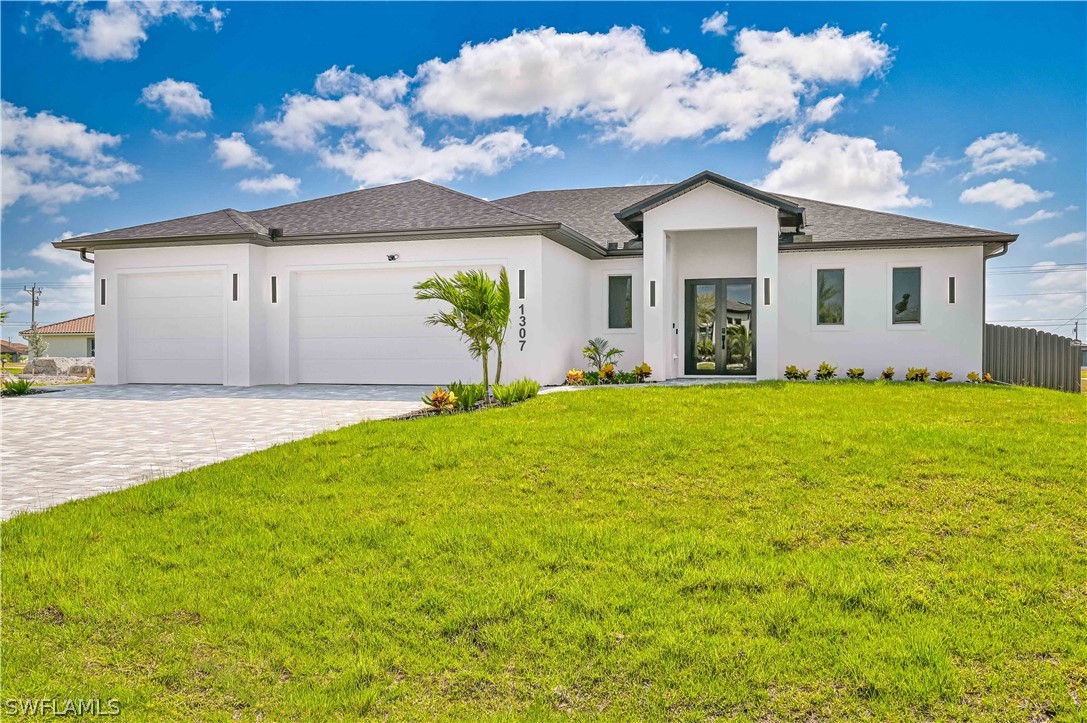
x,y
756,552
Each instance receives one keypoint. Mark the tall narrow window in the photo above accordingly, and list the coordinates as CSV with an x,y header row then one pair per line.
x,y
235,287
830,296
766,291
620,302
103,294
951,289
521,284
275,291
652,293
906,295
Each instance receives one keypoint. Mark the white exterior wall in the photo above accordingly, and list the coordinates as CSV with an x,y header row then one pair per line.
x,y
705,208
949,336
631,341
68,345
258,333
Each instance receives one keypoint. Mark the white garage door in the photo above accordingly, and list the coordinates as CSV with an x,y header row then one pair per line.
x,y
366,327
172,328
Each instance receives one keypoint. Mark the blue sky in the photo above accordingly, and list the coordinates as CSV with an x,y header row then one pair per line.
x,y
968,113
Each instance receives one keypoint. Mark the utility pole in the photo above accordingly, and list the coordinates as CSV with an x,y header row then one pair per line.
x,y
1075,330
35,299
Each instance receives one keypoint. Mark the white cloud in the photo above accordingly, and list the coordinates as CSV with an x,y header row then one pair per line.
x,y
20,273
179,137
116,31
933,162
639,95
272,184
1051,277
1005,193
59,257
50,160
178,97
1000,153
825,109
839,169
1069,239
716,24
1039,215
235,152
361,127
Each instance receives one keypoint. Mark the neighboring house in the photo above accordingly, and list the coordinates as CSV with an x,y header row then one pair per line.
x,y
16,350
72,338
703,277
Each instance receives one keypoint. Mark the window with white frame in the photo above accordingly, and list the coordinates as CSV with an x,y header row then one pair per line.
x,y
906,295
830,297
620,302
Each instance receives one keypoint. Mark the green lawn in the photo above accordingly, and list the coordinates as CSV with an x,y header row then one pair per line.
x,y
755,552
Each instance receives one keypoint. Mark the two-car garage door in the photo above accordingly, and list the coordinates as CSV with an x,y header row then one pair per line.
x,y
364,326
171,328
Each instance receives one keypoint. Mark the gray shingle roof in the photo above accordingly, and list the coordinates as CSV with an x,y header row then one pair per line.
x,y
588,210
421,206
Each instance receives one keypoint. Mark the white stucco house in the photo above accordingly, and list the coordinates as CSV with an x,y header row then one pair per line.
x,y
70,338
707,277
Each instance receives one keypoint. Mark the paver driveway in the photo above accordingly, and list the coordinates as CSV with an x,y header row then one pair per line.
x,y
86,440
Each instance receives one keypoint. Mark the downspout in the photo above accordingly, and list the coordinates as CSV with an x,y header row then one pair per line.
x,y
984,294
83,256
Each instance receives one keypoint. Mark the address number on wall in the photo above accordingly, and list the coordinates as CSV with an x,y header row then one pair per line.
x,y
522,332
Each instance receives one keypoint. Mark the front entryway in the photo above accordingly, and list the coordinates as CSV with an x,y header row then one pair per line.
x,y
720,326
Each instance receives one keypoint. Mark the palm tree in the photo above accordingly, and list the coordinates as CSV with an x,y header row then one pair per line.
x,y
479,310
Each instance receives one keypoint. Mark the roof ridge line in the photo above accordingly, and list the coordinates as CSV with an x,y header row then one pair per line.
x,y
484,201
325,198
890,213
230,212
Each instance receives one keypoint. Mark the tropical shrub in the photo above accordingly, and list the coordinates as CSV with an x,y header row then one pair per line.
x,y
855,373
441,400
795,373
988,379
973,378
592,377
642,372
467,395
887,374
517,391
600,353
626,378
825,372
942,376
575,377
607,373
917,374
17,387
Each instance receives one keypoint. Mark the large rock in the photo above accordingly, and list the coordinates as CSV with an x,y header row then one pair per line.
x,y
59,366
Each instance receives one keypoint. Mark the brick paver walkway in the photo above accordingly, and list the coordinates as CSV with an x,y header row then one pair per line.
x,y
86,440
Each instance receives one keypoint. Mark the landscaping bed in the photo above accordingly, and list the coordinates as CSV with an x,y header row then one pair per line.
x,y
770,551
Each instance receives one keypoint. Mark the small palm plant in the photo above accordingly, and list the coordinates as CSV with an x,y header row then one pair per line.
x,y
600,352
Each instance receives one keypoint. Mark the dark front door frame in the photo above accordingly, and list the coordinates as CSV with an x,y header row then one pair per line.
x,y
690,311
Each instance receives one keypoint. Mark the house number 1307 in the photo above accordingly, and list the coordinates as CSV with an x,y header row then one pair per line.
x,y
522,333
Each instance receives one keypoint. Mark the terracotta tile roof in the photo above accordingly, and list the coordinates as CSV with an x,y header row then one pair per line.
x,y
82,325
12,347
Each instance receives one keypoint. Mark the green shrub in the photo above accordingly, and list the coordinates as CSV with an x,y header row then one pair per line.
x,y
855,373
795,373
17,387
517,391
825,372
887,374
600,353
626,378
942,376
592,377
917,374
468,395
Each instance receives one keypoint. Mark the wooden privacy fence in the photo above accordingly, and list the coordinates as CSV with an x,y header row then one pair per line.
x,y
1032,358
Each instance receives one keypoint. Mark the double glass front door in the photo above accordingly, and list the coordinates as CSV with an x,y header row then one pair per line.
x,y
720,326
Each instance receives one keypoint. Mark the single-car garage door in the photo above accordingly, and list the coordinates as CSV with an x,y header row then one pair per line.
x,y
366,327
172,328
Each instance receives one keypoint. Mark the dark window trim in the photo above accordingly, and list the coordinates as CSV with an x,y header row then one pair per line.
x,y
920,282
630,286
829,323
